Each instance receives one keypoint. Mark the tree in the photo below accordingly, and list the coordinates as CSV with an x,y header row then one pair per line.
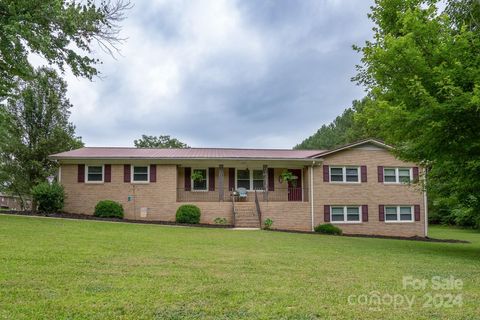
x,y
344,129
35,124
422,72
60,31
159,142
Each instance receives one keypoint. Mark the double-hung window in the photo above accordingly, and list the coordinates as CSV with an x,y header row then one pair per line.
x,y
346,214
249,179
140,174
344,174
200,183
398,214
94,174
397,175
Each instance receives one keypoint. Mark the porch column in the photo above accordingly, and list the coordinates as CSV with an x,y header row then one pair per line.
x,y
265,182
220,183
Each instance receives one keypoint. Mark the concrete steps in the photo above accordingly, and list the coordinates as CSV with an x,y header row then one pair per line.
x,y
246,215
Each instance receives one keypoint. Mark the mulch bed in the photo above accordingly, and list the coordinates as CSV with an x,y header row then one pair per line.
x,y
205,225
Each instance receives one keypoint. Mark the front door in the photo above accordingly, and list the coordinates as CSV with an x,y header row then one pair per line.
x,y
295,186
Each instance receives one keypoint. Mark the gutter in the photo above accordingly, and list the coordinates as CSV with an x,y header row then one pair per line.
x,y
312,212
425,201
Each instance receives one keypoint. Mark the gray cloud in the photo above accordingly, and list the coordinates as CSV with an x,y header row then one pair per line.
x,y
220,73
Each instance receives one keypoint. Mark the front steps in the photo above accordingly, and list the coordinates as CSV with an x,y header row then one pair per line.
x,y
246,215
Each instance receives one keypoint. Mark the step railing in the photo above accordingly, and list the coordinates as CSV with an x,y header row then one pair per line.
x,y
259,211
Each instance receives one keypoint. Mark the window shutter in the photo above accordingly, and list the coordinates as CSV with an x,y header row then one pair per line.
x,y
81,173
188,179
326,173
153,173
231,179
380,174
108,173
211,179
416,209
365,213
326,213
381,212
415,173
126,173
363,170
271,179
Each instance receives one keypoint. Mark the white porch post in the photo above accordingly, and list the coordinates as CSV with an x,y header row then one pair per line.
x,y
265,182
220,183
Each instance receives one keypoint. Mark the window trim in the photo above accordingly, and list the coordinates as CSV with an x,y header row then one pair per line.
x,y
95,165
206,177
344,174
250,189
132,174
412,213
345,221
397,175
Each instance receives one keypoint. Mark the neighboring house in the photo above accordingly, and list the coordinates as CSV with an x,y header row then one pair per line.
x,y
360,187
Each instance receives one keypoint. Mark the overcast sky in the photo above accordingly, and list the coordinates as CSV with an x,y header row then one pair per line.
x,y
224,73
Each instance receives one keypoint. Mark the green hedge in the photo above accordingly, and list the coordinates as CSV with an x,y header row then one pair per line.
x,y
108,209
328,229
188,213
49,197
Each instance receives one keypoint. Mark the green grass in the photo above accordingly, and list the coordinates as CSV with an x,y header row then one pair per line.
x,y
67,269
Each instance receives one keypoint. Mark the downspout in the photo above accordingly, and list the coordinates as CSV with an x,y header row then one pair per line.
x,y
425,200
311,195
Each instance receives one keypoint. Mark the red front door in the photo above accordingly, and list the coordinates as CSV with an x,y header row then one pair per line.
x,y
295,186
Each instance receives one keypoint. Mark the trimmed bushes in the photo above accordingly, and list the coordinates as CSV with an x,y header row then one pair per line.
x,y
49,197
108,209
188,213
328,229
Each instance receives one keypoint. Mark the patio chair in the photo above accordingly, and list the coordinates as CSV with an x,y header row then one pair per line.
x,y
242,193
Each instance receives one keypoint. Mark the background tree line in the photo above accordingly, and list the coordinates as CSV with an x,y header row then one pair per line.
x,y
422,76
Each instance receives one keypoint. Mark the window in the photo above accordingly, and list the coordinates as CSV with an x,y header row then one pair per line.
x,y
344,174
250,179
398,214
140,173
346,214
94,173
397,175
200,184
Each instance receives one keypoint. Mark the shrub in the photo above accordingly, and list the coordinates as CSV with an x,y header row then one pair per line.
x,y
328,229
267,224
109,209
188,213
219,220
49,197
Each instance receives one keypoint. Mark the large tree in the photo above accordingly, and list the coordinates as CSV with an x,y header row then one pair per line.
x,y
422,71
159,142
34,124
60,31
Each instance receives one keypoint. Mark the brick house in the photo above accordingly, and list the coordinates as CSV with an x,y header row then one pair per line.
x,y
360,187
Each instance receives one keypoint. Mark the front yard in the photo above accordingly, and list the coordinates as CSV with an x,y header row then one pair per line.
x,y
66,269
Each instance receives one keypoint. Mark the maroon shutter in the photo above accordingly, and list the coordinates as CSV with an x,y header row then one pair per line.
x,y
188,179
211,179
415,173
271,179
231,179
326,213
326,173
81,173
363,170
126,173
380,174
153,173
108,173
365,213
416,209
381,213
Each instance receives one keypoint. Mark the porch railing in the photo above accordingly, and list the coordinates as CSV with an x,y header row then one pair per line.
x,y
278,195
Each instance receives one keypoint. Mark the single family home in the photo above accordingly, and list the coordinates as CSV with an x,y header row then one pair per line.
x,y
361,187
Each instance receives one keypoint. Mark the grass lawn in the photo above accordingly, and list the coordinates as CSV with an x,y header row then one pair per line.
x,y
67,269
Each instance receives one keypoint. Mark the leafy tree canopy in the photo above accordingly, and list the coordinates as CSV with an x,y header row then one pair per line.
x,y
35,124
159,142
60,31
